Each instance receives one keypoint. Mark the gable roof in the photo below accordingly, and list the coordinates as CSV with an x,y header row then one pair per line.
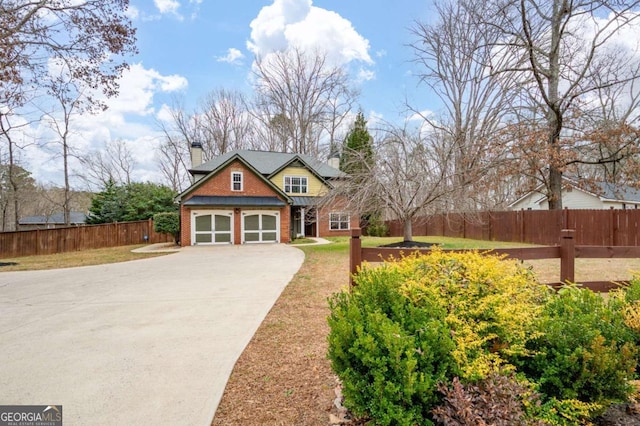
x,y
268,162
602,190
228,160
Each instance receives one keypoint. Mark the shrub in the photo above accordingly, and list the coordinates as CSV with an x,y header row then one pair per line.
x,y
167,223
495,400
376,227
491,304
389,353
585,351
411,324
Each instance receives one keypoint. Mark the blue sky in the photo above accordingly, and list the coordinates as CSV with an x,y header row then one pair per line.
x,y
188,48
190,38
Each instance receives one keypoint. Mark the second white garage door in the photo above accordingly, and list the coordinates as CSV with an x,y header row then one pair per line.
x,y
260,226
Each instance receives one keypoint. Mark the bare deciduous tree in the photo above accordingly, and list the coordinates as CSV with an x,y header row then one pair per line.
x,y
458,60
173,159
115,163
70,102
298,96
225,122
570,54
411,175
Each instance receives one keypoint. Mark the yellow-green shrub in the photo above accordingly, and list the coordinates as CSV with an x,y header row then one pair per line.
x,y
411,324
491,304
417,323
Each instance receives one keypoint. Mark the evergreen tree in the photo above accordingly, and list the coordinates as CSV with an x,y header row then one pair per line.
x,y
357,151
130,202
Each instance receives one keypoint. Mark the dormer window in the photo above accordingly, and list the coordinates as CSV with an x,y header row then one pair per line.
x,y
295,185
236,181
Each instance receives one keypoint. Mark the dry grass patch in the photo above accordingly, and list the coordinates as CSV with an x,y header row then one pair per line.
x,y
284,377
76,258
548,270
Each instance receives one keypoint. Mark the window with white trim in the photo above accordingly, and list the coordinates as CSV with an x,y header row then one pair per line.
x,y
236,181
295,184
339,221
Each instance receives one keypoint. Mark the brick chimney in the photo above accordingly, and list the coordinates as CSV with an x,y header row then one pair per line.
x,y
196,154
334,158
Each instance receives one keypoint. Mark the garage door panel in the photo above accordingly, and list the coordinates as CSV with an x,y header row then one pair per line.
x,y
223,223
270,236
252,222
203,223
223,238
269,222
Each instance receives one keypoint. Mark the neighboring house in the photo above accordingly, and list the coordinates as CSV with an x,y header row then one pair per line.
x,y
248,196
599,195
55,220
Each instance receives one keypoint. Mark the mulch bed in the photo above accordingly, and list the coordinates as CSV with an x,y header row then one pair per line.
x,y
410,244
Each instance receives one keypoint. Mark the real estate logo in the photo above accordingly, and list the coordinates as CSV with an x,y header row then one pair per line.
x,y
30,415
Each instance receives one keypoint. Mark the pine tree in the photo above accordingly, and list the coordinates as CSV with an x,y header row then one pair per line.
x,y
357,151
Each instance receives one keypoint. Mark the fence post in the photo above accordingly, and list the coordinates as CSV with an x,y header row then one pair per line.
x,y
567,255
355,258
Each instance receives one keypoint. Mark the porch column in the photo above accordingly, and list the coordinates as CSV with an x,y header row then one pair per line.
x,y
302,221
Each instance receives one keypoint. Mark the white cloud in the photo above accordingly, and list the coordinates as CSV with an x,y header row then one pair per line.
x,y
164,114
233,56
132,12
420,115
167,6
365,75
297,23
130,117
138,86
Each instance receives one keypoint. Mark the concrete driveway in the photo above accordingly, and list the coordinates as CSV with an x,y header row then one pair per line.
x,y
148,342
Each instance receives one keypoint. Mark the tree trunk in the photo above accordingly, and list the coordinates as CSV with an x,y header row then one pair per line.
x,y
66,207
408,230
554,112
14,188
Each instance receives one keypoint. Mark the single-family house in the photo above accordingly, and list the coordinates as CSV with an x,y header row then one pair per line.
x,y
598,195
55,220
246,196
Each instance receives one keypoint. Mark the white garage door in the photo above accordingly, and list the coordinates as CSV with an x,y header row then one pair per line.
x,y
212,227
260,227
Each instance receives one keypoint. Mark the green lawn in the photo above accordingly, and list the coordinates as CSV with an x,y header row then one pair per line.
x,y
342,243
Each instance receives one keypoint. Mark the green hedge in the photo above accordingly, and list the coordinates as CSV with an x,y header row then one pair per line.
x,y
167,223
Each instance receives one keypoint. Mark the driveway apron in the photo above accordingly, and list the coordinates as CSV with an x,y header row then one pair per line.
x,y
148,342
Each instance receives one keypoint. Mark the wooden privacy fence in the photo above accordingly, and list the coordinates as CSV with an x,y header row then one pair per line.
x,y
592,227
59,240
566,250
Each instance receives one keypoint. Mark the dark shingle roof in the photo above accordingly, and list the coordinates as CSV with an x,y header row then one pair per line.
x,y
618,192
53,219
233,201
305,201
268,162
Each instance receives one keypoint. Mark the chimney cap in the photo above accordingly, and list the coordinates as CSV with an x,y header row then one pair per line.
x,y
196,144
